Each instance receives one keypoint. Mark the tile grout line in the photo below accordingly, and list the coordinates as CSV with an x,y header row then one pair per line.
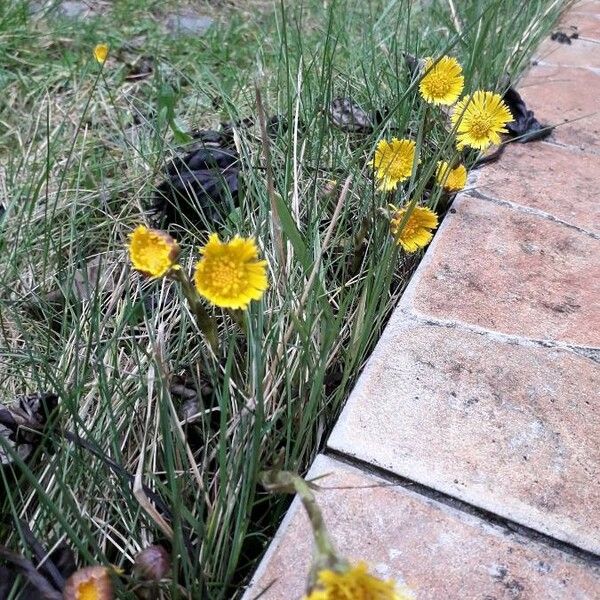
x,y
477,193
589,352
508,525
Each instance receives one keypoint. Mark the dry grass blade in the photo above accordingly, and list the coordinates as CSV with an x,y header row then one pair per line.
x,y
275,219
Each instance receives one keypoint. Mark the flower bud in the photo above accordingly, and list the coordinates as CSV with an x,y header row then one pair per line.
x,y
152,563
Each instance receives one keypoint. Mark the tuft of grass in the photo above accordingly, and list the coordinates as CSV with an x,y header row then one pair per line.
x,y
81,151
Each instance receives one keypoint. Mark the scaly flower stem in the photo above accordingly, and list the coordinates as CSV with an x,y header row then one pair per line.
x,y
206,324
326,556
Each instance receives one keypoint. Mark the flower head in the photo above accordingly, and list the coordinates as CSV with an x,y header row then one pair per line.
x,y
452,180
416,232
443,81
353,584
90,583
481,118
101,53
229,274
152,252
393,162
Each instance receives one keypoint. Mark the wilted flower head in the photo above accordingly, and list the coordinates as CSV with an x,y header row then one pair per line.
x,y
443,81
481,118
152,563
101,53
229,274
152,252
90,583
393,162
452,180
353,584
416,232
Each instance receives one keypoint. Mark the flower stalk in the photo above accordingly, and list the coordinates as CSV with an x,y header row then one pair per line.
x,y
326,557
205,322
331,577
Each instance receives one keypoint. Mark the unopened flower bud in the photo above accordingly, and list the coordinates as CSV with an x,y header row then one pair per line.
x,y
152,563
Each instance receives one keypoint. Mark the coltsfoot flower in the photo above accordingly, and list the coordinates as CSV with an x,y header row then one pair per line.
x,y
443,81
417,231
353,584
90,583
452,180
393,162
101,53
229,274
152,252
481,118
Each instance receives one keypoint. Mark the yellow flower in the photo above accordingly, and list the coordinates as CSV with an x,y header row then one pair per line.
x,y
152,252
452,180
416,232
101,53
481,118
90,583
393,162
443,81
353,584
229,274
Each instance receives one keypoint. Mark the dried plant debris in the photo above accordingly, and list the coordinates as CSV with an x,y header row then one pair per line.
x,y
22,423
416,65
563,37
201,185
140,68
347,115
37,586
525,126
45,580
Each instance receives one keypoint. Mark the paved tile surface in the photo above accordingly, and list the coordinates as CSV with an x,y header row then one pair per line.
x,y
511,428
515,273
558,181
587,26
436,550
579,53
569,98
587,7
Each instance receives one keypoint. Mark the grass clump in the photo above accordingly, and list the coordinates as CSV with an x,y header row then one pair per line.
x,y
158,439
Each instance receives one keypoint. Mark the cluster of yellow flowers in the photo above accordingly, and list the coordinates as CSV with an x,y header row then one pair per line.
x,y
478,119
228,275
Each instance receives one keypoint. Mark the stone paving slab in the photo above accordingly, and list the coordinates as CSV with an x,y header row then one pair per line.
x,y
558,181
569,98
587,6
511,272
438,551
579,53
587,26
509,427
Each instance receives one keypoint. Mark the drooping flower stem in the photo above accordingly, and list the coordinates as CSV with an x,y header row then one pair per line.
x,y
205,322
326,556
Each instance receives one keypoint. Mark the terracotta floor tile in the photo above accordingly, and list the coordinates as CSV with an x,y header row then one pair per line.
x,y
587,6
562,182
587,26
569,98
509,428
579,53
439,552
512,272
